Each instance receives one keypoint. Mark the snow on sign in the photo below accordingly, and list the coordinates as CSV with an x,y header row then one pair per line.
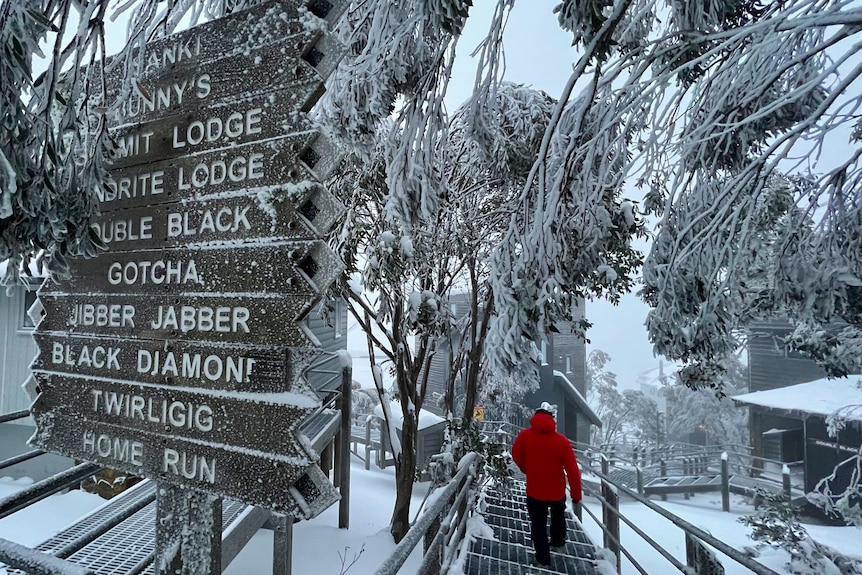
x,y
268,168
293,268
263,320
279,214
228,367
179,353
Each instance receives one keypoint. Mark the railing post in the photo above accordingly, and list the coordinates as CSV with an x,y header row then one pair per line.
x,y
612,522
725,483
282,544
640,480
433,567
368,443
785,481
662,472
701,560
343,446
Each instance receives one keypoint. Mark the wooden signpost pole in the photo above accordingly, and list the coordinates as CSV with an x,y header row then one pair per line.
x,y
188,531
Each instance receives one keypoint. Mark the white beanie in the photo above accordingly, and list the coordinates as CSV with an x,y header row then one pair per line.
x,y
552,409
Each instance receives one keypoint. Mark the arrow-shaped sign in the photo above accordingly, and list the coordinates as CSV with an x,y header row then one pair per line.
x,y
300,268
256,167
215,127
274,22
236,473
265,422
303,211
185,364
242,320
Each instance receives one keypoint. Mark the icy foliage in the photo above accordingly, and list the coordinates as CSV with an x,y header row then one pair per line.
x,y
448,16
51,142
776,523
571,236
391,51
724,422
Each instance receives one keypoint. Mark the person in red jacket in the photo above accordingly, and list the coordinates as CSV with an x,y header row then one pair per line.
x,y
544,455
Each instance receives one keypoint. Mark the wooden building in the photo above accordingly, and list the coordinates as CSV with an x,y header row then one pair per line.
x,y
772,365
802,410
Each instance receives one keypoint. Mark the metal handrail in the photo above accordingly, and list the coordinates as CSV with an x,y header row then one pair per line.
x,y
15,415
16,459
687,527
20,557
661,550
42,489
462,481
587,451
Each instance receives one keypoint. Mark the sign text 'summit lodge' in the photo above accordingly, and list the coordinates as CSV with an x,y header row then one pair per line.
x,y
178,354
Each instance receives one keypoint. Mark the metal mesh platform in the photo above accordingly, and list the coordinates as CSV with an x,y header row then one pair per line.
x,y
496,558
512,551
129,547
134,499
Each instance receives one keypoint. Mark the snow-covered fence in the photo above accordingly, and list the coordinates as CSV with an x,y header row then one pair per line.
x,y
442,526
42,489
20,458
695,561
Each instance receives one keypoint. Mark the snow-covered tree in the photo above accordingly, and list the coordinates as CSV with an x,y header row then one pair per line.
x,y
724,422
567,237
400,276
627,415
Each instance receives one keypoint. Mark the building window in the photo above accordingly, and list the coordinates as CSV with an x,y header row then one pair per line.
x,y
544,353
568,364
29,299
340,318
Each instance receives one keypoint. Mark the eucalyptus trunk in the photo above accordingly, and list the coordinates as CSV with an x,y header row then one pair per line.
x,y
405,467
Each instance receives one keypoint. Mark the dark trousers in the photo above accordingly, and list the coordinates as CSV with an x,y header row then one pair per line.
x,y
538,511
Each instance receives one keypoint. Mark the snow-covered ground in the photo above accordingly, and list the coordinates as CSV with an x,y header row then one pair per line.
x,y
320,547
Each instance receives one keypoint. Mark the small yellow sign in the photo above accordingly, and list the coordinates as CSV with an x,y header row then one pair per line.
x,y
479,412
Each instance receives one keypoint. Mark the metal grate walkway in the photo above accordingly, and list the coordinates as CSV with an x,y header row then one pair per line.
x,y
134,534
512,551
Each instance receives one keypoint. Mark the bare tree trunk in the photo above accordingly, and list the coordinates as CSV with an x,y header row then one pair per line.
x,y
478,333
405,468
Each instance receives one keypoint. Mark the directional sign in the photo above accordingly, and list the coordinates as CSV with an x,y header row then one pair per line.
x,y
249,320
244,368
215,127
249,168
204,49
262,422
174,355
290,212
300,268
189,84
237,473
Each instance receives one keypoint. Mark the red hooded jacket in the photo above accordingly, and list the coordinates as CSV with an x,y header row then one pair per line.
x,y
542,454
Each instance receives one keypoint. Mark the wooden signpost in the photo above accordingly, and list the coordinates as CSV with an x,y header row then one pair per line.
x,y
179,353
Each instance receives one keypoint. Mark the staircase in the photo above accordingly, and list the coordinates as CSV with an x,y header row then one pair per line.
x,y
511,552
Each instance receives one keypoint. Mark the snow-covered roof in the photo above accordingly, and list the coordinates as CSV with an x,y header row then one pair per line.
x,y
820,397
426,418
575,395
